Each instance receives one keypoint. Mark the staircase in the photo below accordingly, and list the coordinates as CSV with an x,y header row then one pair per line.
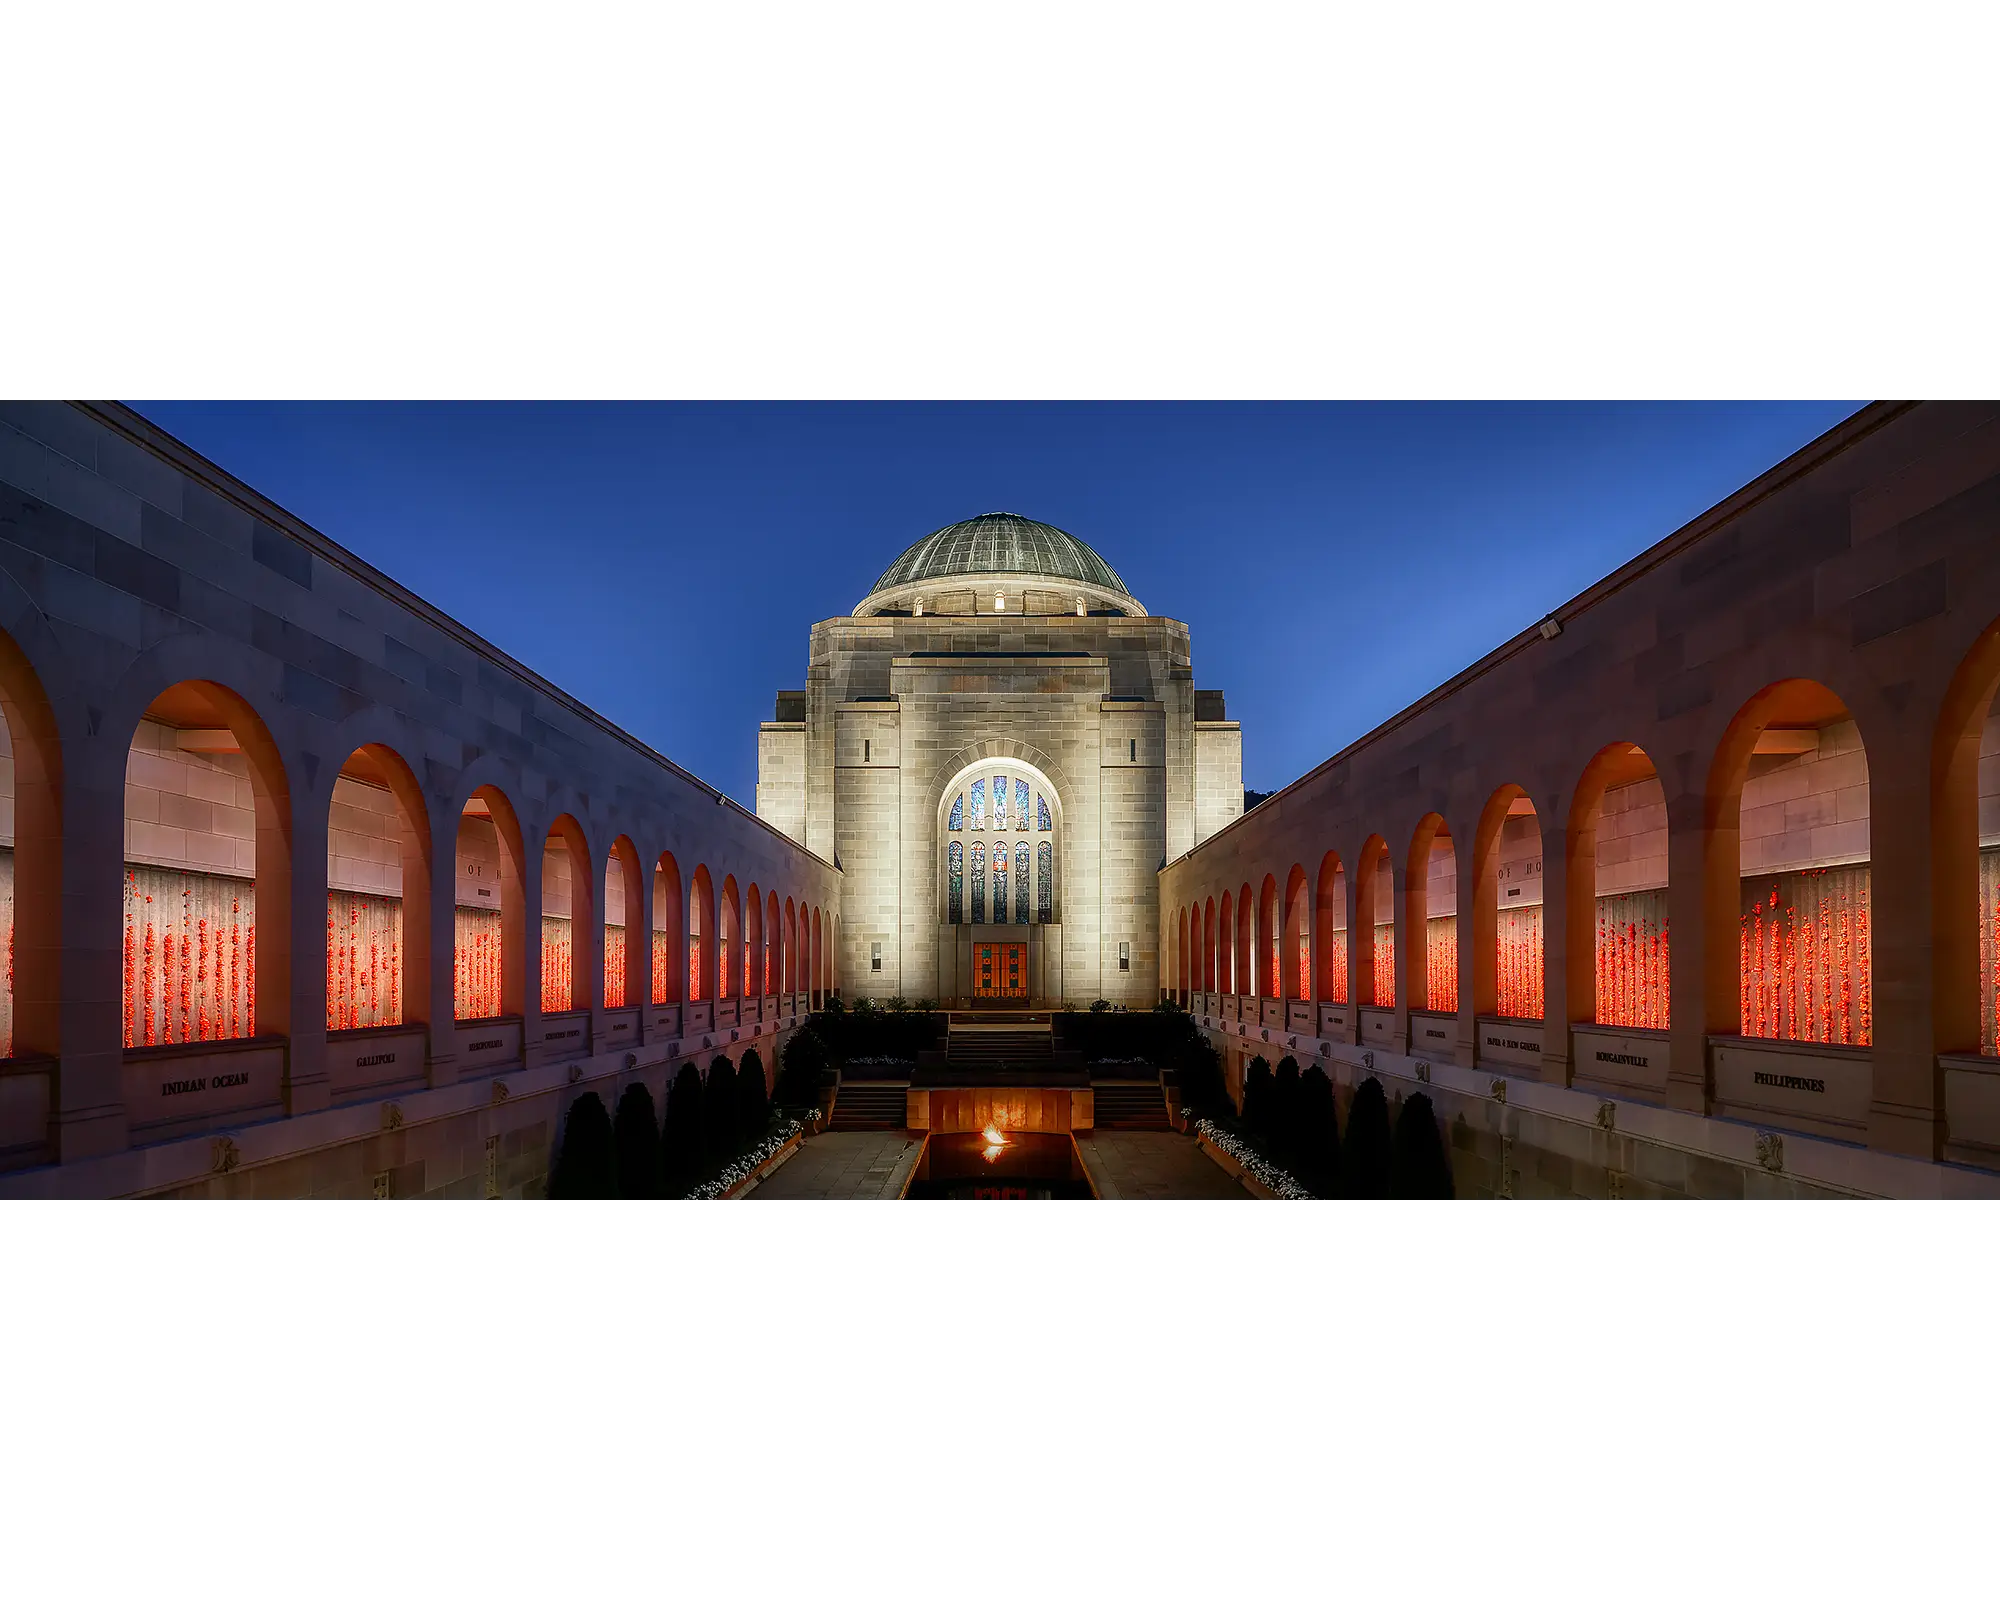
x,y
1129,1105
869,1106
1000,1053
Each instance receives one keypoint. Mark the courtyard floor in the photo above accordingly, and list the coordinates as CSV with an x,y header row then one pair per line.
x,y
1153,1166
845,1166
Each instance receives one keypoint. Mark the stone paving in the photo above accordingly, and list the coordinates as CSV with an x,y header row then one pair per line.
x,y
1130,1165
846,1166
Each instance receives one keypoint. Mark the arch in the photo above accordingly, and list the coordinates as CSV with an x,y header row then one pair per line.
x,y
1208,946
753,943
1965,878
1330,922
1509,974
791,947
1374,937
702,940
669,924
1010,806
729,942
1243,955
1295,946
1268,939
1795,925
774,952
569,916
378,893
489,942
818,961
1225,944
32,996
1430,917
626,941
1617,970
199,743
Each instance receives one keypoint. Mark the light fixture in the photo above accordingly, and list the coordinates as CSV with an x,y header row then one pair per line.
x,y
1548,627
999,602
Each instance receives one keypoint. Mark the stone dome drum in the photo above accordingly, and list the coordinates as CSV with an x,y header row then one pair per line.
x,y
1002,552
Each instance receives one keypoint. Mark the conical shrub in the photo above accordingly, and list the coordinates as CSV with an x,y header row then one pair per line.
x,y
1419,1168
1284,1135
1318,1143
718,1115
635,1140
681,1139
1364,1153
1257,1098
583,1165
799,1069
753,1105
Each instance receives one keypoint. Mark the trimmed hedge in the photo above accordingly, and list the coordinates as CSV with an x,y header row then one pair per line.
x,y
1419,1168
718,1115
584,1168
1285,1142
1258,1110
1316,1144
1365,1153
799,1069
635,1142
681,1141
753,1105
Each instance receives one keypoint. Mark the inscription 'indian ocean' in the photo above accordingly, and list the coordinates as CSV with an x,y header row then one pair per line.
x,y
222,1080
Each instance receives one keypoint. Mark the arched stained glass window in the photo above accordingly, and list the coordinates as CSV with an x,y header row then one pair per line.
x,y
1021,807
1045,886
1041,813
1000,881
978,876
1021,876
979,803
957,823
955,884
1000,822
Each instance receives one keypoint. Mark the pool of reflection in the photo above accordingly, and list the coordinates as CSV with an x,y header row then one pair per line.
x,y
1029,1166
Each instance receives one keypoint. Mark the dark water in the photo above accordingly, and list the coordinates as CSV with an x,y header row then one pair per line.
x,y
1030,1166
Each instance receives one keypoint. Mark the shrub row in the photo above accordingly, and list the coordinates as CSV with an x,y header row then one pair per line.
x,y
1291,1117
709,1121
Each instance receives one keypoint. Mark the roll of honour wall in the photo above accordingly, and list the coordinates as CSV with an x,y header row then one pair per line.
x,y
267,694
1789,925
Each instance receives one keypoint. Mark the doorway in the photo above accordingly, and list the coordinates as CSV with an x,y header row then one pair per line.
x,y
999,971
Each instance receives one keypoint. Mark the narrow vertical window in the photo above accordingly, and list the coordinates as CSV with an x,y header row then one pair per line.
x,y
1041,813
957,823
978,804
978,880
1045,887
1134,743
1000,881
1021,807
866,747
1022,878
1000,822
954,893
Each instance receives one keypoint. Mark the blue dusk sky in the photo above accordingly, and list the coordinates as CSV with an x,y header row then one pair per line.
x,y
662,563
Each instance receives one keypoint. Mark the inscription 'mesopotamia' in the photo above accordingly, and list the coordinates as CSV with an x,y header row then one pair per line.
x,y
484,1044
1785,1080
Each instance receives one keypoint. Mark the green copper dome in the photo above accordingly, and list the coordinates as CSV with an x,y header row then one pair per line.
x,y
998,542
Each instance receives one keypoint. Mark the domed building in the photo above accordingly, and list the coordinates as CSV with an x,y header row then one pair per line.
x,y
1000,748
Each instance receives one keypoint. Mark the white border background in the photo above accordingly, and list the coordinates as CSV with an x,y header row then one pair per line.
x,y
1039,200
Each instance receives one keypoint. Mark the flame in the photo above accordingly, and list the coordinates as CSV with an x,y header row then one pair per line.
x,y
996,1141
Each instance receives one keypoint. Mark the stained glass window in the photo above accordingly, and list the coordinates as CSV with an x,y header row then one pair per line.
x,y
957,813
1000,813
979,802
1045,886
1021,876
978,875
1021,807
1041,813
1000,881
955,883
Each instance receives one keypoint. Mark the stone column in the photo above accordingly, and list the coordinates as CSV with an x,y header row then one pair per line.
x,y
1702,889
1477,925
1569,889
89,1098
440,934
304,955
1906,1116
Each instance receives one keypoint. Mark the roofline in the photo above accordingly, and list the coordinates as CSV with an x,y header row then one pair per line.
x,y
157,441
1843,436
